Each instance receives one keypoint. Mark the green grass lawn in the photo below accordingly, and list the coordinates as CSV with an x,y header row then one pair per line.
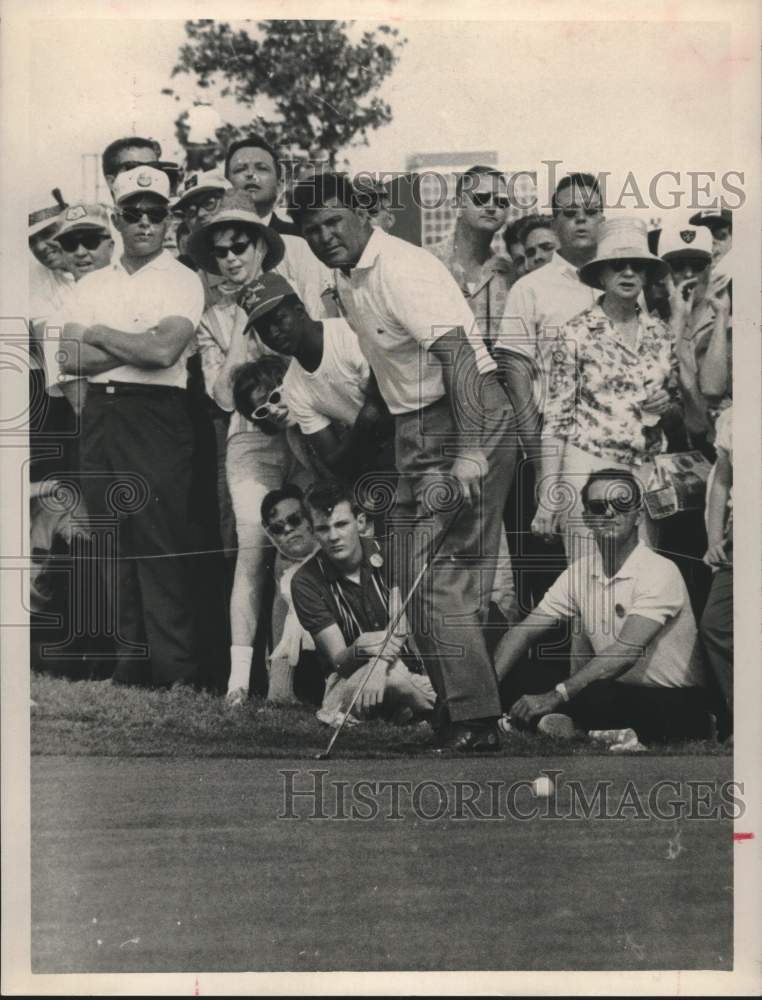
x,y
98,718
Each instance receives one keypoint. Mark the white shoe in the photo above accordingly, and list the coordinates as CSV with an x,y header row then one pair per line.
x,y
557,725
612,736
237,697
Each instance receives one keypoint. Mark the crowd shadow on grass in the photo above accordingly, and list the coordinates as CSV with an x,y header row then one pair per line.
x,y
96,718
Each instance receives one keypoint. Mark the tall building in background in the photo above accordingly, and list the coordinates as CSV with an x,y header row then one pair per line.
x,y
436,176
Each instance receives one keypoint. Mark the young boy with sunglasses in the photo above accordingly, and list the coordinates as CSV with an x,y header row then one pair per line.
x,y
643,669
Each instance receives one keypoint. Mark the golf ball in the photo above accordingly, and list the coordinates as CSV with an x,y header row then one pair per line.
x,y
542,787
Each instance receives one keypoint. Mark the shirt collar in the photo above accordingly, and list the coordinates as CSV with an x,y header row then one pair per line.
x,y
373,248
629,569
160,263
563,265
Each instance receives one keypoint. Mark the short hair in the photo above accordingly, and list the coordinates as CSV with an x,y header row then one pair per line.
x,y
532,222
288,492
574,180
324,496
476,171
266,373
512,232
621,475
263,323
252,142
110,153
314,192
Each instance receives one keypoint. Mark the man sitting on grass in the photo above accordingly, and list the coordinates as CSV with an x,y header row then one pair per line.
x,y
644,670
342,599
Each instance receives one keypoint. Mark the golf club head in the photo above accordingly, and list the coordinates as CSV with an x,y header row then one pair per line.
x,y
322,756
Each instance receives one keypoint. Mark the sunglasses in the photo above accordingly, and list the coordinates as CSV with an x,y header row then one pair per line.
x,y
133,215
545,247
278,528
90,241
695,264
265,410
208,204
622,265
237,248
620,505
499,201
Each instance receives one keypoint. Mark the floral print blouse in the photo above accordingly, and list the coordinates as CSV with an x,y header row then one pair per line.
x,y
597,385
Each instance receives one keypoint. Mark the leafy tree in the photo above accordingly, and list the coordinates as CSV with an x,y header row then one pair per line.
x,y
316,84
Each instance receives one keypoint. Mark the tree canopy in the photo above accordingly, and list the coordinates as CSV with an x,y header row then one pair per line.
x,y
309,84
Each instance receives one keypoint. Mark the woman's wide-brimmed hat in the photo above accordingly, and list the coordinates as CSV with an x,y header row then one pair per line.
x,y
622,239
234,210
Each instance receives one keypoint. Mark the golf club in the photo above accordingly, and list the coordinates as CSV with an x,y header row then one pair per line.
x,y
389,632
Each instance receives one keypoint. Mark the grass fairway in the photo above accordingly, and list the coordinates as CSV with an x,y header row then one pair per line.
x,y
163,865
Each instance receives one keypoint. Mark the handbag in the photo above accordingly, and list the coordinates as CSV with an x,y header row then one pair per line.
x,y
678,484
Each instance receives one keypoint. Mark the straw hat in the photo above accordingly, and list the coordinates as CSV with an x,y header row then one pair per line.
x,y
622,239
235,209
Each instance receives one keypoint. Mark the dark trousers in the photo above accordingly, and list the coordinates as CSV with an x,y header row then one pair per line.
x,y
137,453
657,714
452,600
716,631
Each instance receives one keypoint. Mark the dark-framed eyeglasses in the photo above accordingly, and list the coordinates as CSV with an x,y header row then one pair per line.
x,y
238,248
154,215
572,213
207,204
89,240
277,528
639,266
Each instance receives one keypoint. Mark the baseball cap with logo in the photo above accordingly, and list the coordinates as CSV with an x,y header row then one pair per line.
x,y
270,290
202,182
141,180
684,240
84,217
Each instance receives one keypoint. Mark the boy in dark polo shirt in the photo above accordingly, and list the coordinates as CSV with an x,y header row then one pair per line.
x,y
341,598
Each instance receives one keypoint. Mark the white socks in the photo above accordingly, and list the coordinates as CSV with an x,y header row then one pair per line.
x,y
240,667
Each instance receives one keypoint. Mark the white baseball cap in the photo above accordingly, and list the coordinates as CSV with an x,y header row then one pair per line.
x,y
205,181
681,239
140,180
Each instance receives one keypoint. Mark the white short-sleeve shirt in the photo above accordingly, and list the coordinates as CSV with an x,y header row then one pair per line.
x,y
309,277
135,303
648,585
335,391
399,299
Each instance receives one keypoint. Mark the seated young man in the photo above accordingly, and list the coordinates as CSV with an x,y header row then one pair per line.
x,y
644,670
342,599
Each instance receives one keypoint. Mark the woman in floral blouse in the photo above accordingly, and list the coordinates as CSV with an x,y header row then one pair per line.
x,y
612,384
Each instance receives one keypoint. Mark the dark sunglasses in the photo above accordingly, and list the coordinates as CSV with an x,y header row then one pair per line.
x,y
621,265
277,528
498,200
620,505
133,215
237,248
208,204
533,251
90,241
697,265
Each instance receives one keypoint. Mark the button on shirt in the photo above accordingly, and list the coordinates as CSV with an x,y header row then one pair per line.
x,y
488,294
647,585
335,391
597,385
135,303
399,299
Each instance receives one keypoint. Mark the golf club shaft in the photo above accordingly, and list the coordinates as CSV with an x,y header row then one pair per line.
x,y
390,631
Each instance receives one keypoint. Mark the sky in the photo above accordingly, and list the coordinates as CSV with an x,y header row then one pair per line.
x,y
646,96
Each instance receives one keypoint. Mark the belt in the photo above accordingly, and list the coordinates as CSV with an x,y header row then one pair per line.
x,y
132,389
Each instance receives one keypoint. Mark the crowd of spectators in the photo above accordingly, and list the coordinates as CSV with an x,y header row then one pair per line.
x,y
304,458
